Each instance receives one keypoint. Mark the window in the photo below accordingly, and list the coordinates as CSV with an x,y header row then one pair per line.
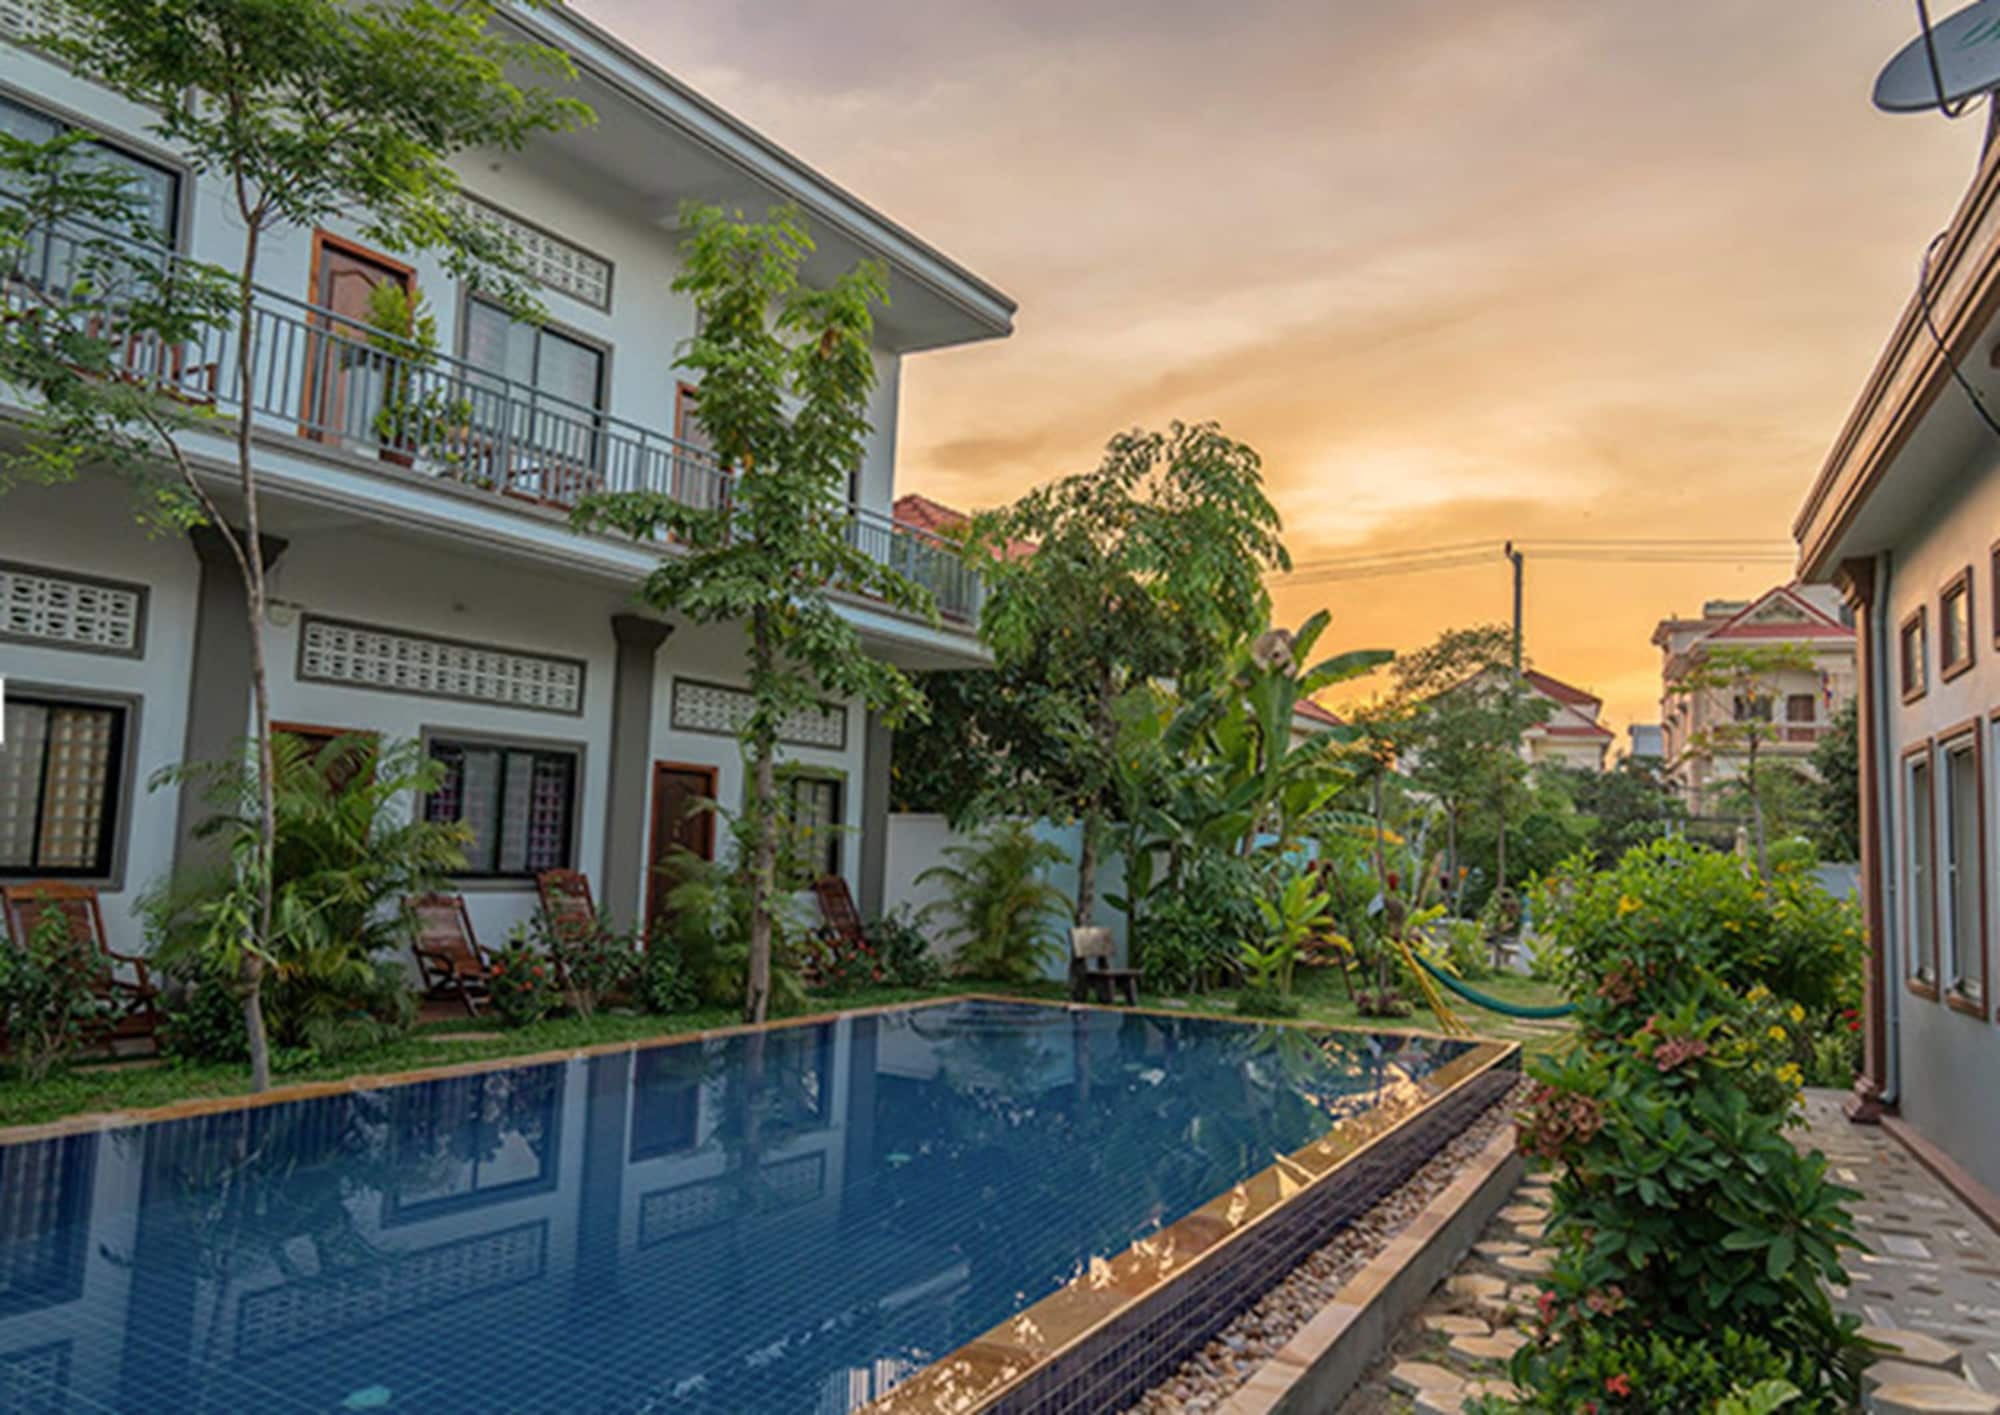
x,y
519,801
157,188
472,1140
1915,657
1920,813
812,805
61,778
1964,923
553,438
1955,626
699,479
1753,707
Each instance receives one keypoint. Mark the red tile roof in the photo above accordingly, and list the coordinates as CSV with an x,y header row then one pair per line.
x,y
1562,692
1313,712
1578,729
934,517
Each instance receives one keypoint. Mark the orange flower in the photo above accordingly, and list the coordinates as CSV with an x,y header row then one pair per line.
x,y
1620,1385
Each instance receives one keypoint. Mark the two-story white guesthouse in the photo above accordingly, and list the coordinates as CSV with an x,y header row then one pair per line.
x,y
449,601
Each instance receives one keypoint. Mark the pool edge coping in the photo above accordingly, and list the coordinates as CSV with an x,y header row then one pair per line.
x,y
1327,1357
908,1398
91,1122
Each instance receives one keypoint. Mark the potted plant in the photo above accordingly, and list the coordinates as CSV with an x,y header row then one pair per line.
x,y
417,416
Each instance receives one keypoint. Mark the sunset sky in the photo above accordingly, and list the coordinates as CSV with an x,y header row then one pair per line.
x,y
1458,269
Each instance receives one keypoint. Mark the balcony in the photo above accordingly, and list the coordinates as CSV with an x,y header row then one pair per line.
x,y
320,378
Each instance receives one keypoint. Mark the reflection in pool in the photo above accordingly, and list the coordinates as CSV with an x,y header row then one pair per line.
x,y
789,1221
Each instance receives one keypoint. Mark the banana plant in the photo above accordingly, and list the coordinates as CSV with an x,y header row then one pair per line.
x,y
1291,921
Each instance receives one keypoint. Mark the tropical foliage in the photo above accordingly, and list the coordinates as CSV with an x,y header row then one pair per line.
x,y
48,993
998,907
1682,1207
785,371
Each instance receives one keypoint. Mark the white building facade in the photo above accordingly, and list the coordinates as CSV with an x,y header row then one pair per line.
x,y
440,595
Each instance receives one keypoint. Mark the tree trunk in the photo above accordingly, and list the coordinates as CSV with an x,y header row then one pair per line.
x,y
764,839
1756,809
1500,846
260,694
1451,859
1086,868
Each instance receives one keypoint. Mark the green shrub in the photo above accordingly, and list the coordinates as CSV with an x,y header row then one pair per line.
x,y
996,904
708,933
523,989
1192,927
49,1003
1463,942
1254,1000
664,987
1682,1209
201,1019
904,952
1612,1372
593,962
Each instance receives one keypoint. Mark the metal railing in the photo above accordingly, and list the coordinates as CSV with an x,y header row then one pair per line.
x,y
322,377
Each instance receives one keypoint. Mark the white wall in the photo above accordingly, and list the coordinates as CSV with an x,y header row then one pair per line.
x,y
919,841
88,529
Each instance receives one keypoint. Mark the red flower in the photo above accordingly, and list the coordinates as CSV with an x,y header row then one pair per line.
x,y
1619,1385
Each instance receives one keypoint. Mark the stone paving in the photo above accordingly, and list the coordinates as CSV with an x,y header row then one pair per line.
x,y
1928,1284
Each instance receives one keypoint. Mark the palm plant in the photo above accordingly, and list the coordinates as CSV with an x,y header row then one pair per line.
x,y
996,903
347,850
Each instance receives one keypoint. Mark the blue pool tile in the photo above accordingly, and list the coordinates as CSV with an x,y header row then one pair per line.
x,y
788,1221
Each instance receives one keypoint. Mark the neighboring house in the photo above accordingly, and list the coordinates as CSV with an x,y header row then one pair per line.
x,y
1647,742
1699,760
1903,518
1571,736
453,604
1309,719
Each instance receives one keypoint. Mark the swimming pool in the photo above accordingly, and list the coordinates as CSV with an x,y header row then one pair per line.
x,y
796,1219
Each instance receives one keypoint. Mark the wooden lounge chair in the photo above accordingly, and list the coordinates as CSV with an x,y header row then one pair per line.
x,y
133,1012
1091,951
840,920
449,958
566,902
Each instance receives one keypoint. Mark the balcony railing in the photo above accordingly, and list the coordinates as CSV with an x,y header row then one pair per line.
x,y
321,377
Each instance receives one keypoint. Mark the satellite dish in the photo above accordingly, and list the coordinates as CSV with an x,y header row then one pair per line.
x,y
1955,60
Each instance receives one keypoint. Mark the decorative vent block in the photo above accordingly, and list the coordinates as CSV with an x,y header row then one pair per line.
x,y
418,1282
363,657
48,607
29,20
710,707
551,260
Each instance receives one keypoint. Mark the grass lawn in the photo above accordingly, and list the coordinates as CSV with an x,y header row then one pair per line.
x,y
114,1087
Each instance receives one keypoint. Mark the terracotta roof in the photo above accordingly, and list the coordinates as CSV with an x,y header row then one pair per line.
x,y
1562,692
1313,712
934,517
1580,729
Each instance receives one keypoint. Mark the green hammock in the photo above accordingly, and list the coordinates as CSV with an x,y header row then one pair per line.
x,y
1492,1004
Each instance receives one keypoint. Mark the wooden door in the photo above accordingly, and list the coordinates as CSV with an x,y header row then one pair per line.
x,y
341,368
679,823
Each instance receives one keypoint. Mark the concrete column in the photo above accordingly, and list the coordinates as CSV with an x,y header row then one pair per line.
x,y
219,677
876,749
622,891
1857,582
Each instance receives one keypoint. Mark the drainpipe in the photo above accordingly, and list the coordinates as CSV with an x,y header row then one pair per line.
x,y
1888,785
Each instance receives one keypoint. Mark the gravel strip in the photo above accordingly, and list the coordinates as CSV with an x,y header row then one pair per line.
x,y
1212,1374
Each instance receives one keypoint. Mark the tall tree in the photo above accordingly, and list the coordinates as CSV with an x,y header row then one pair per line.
x,y
1462,713
784,372
1628,806
1149,567
1745,681
1836,763
300,112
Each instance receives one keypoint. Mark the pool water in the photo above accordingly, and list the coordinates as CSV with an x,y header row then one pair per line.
x,y
787,1221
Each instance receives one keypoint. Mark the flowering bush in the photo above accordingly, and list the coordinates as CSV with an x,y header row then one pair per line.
x,y
905,952
523,986
846,965
49,1002
1682,1211
1606,1372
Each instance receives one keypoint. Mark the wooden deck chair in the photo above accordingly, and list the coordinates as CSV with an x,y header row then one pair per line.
x,y
1091,951
133,1001
566,902
840,920
449,958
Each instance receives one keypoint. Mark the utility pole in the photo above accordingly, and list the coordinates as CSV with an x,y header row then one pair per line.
x,y
1516,557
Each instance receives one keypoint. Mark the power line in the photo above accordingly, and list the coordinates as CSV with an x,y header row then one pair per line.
x,y
1631,550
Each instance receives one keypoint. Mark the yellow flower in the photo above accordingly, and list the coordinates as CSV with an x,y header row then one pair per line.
x,y
1790,1074
1797,1013
1627,905
1758,993
1778,1033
